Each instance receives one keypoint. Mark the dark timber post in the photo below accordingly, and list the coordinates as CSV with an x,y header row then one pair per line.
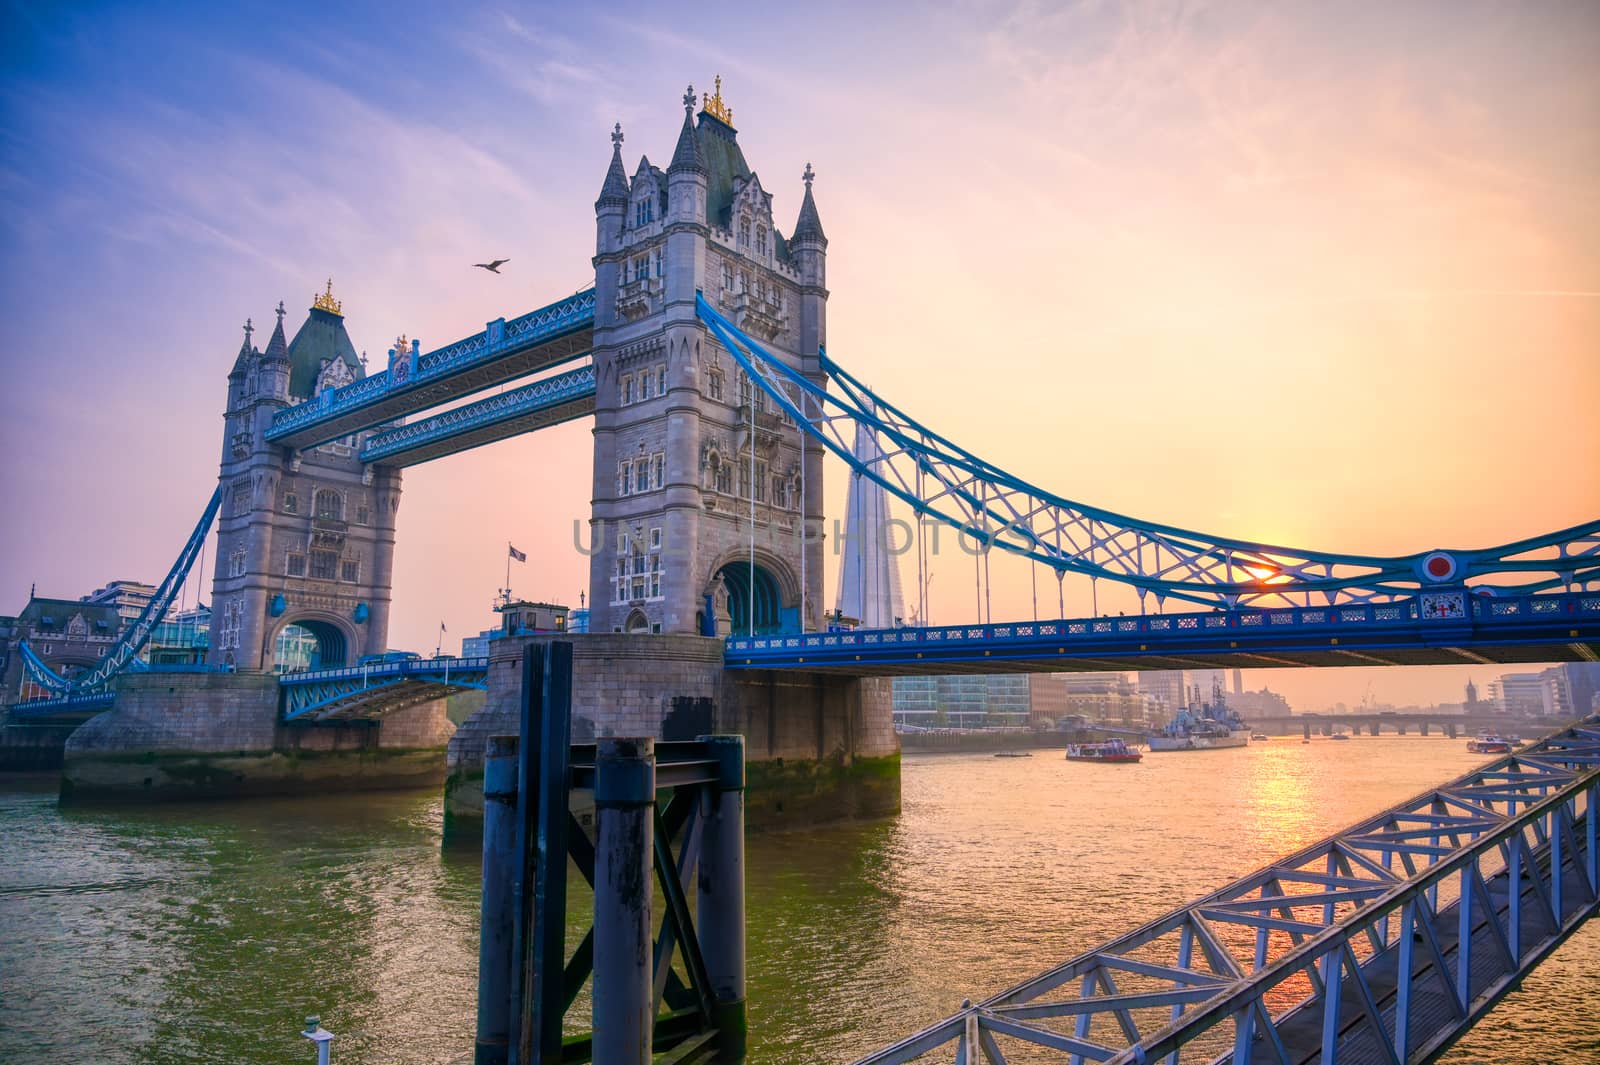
x,y
540,867
721,895
495,933
624,800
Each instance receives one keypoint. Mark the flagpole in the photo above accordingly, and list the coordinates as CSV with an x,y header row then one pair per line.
x,y
507,589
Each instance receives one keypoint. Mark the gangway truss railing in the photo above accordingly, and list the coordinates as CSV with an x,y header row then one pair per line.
x,y
125,651
1380,943
945,484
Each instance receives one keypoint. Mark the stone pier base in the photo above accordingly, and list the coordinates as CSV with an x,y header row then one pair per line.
x,y
817,748
32,748
217,735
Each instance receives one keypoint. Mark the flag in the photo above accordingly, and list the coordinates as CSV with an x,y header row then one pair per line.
x,y
518,555
442,628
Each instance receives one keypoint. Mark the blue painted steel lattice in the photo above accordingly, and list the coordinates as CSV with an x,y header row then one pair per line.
x,y
943,482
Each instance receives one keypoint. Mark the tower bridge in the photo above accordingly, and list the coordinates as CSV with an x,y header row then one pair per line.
x,y
700,354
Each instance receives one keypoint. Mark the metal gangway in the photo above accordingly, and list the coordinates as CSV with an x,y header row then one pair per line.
x,y
1381,943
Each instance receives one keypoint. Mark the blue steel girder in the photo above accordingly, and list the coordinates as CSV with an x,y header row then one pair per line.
x,y
369,691
76,707
950,486
539,405
503,351
1520,629
1380,943
124,653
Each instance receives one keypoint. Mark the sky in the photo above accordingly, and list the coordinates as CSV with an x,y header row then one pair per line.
x,y
1309,274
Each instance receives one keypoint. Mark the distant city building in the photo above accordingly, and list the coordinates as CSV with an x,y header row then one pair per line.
x,y
129,597
1165,688
1259,704
181,638
1528,694
68,635
1108,698
1560,691
977,701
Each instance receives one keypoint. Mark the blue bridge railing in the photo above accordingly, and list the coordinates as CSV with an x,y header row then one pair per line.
x,y
1444,613
307,695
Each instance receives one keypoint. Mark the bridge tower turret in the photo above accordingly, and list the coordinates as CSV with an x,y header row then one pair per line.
x,y
698,506
305,539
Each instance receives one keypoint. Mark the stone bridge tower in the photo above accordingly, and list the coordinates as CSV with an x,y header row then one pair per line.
x,y
699,520
305,540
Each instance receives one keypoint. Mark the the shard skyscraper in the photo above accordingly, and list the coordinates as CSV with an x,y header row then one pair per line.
x,y
869,577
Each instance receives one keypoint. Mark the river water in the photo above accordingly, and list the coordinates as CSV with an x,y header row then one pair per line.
x,y
205,933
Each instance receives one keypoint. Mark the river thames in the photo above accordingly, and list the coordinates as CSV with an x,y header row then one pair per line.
x,y
205,933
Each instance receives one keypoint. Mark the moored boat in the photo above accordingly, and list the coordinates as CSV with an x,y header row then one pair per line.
x,y
1258,736
1110,751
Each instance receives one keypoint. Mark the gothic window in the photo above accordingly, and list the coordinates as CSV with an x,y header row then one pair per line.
x,y
291,503
622,486
236,563
647,384
780,492
661,268
241,499
655,539
744,389
350,570
363,515
295,566
761,287
661,380
324,565
744,281
641,268
641,476
655,577
657,469
744,233
727,277
724,478
714,385
761,240
641,212
329,504
627,389
761,482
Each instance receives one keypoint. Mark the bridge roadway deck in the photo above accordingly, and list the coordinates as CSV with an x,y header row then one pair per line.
x,y
1382,943
562,398
1510,630
503,351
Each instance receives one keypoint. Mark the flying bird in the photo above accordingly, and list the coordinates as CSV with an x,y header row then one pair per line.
x,y
494,267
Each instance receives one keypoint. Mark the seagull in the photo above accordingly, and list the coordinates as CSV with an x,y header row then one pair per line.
x,y
494,267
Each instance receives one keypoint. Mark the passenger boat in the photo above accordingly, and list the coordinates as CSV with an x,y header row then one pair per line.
x,y
1340,735
1487,742
1110,751
1257,736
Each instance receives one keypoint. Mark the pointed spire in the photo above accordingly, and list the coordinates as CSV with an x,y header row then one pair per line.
x,y
686,158
242,364
615,189
808,226
277,347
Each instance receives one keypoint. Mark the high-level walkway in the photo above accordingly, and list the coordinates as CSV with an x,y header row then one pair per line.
x,y
1380,944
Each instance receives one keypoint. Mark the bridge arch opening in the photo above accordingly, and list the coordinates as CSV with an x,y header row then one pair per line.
x,y
309,644
753,588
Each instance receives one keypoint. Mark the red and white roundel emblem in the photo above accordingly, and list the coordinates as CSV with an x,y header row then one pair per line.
x,y
1439,566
